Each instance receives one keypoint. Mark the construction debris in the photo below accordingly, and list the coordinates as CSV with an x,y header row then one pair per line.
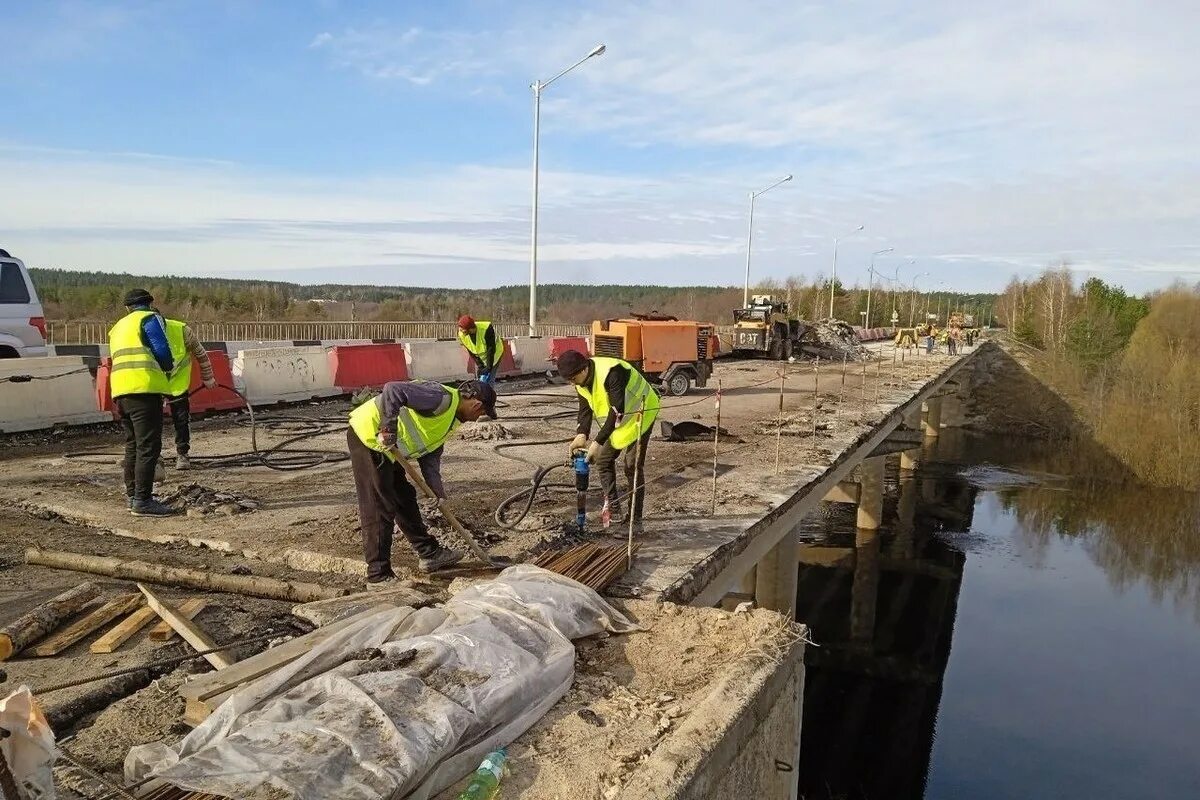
x,y
271,588
835,340
593,565
202,500
485,432
42,620
689,431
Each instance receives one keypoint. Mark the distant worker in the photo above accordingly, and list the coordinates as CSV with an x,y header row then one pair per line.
x,y
612,391
481,343
930,338
141,364
412,419
185,346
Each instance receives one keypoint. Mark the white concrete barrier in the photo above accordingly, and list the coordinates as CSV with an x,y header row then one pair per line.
x,y
233,348
436,360
531,354
284,374
62,392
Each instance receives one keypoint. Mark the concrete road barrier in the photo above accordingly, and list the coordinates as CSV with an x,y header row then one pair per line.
x,y
354,367
561,344
436,360
532,355
60,391
284,374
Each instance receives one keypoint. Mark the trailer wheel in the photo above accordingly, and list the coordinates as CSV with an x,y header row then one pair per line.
x,y
678,385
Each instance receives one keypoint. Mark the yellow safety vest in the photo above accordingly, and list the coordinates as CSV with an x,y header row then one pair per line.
x,y
179,381
475,344
134,370
638,397
416,434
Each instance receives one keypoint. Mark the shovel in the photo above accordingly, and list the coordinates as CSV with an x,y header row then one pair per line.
x,y
414,475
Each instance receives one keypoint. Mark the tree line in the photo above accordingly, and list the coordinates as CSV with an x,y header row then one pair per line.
x,y
1129,365
75,294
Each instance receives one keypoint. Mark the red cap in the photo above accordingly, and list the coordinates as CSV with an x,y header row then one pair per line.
x,y
466,322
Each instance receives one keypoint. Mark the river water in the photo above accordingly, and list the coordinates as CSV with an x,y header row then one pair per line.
x,y
1016,630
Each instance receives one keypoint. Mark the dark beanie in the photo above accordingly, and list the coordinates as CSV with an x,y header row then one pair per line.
x,y
571,362
138,297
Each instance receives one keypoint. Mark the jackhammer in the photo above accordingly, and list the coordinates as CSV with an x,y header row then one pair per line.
x,y
580,463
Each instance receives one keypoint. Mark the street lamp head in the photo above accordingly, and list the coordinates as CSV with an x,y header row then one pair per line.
x,y
859,228
786,178
598,50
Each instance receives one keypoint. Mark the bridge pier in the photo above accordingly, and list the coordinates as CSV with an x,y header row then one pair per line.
x,y
870,493
864,589
910,459
776,577
932,424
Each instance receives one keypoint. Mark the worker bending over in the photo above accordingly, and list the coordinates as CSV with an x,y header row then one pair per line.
x,y
410,419
185,346
479,340
612,392
138,381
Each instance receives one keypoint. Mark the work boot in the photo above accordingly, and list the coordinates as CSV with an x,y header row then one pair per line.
x,y
383,584
182,462
440,559
152,508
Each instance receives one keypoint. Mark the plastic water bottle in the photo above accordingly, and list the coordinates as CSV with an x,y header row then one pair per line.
x,y
485,783
606,514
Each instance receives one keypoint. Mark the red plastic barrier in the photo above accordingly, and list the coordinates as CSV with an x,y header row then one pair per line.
x,y
213,399
561,344
104,401
508,365
357,366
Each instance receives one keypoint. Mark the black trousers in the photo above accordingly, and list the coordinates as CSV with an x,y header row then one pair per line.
x,y
141,417
631,459
385,500
181,416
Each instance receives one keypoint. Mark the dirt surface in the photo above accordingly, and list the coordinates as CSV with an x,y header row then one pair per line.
x,y
630,691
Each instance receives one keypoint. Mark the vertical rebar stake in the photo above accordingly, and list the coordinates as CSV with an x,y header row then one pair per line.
x,y
716,437
637,476
779,431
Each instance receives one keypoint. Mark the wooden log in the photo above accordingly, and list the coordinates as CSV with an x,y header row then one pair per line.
x,y
188,609
189,630
103,615
252,585
123,630
26,629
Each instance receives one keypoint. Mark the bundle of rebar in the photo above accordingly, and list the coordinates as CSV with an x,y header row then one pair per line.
x,y
593,565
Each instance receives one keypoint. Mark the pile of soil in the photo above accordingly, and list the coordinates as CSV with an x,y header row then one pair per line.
x,y
202,500
834,339
485,432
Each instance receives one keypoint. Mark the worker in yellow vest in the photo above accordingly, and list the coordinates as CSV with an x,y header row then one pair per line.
x,y
412,419
612,392
185,346
139,379
481,343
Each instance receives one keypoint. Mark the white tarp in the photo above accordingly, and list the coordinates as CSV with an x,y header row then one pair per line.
x,y
29,748
487,666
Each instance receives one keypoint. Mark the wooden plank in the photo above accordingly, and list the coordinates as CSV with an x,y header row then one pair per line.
x,y
163,632
81,628
211,684
190,632
28,628
123,630
196,711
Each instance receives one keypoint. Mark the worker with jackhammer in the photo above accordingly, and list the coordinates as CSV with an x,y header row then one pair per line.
x,y
411,420
612,392
479,339
139,378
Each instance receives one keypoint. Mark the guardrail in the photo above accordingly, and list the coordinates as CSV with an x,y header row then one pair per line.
x,y
96,331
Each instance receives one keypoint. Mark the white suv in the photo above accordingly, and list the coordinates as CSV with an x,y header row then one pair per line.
x,y
22,323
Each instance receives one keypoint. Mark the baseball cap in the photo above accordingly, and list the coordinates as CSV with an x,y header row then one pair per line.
x,y
482,392
466,321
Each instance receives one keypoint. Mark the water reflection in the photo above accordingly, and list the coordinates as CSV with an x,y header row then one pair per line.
x,y
883,605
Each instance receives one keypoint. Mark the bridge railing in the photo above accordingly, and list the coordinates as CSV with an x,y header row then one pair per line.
x,y
96,331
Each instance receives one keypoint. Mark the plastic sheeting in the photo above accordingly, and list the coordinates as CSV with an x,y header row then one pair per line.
x,y
29,748
452,684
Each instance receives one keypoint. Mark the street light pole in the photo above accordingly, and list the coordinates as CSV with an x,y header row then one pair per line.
x,y
871,280
896,286
912,299
750,237
537,87
833,277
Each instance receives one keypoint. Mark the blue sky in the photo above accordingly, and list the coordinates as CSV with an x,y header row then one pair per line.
x,y
390,142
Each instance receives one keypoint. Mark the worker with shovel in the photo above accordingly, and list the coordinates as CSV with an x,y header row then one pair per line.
x,y
482,345
407,420
614,393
